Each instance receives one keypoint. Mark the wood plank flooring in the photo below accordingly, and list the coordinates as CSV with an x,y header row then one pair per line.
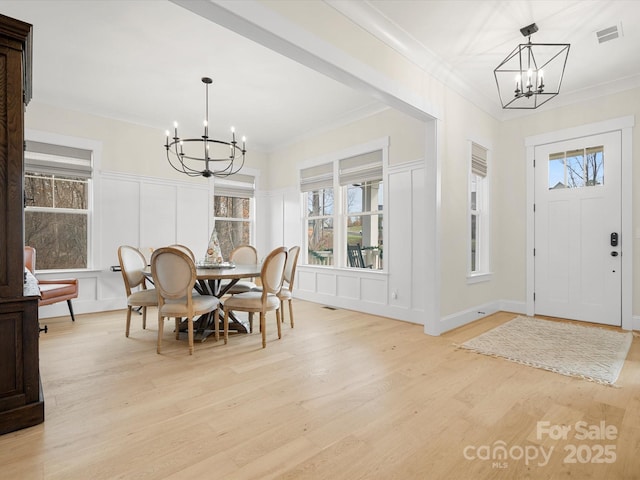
x,y
343,395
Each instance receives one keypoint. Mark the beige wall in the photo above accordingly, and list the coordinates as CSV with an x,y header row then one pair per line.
x,y
462,123
126,147
510,188
407,144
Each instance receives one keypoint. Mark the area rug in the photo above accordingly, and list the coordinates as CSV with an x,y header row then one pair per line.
x,y
592,353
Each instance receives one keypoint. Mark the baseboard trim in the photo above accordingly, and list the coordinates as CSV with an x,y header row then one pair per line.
x,y
459,319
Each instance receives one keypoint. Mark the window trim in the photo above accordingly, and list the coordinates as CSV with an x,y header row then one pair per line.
x,y
483,254
93,227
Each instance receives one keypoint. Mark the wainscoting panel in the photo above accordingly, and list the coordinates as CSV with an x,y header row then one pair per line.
x,y
194,212
305,280
326,283
158,223
119,217
349,287
373,290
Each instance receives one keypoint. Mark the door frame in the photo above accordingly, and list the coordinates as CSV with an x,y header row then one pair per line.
x,y
624,125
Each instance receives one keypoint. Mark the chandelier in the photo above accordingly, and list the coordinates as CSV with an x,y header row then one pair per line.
x,y
205,156
531,74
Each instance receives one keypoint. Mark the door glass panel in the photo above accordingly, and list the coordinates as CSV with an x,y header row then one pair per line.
x,y
556,171
595,166
576,168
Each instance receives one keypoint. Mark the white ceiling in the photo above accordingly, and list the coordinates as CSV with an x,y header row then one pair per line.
x,y
141,61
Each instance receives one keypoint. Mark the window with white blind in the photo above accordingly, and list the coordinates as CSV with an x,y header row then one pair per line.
x,y
233,206
478,263
316,184
343,216
360,178
57,190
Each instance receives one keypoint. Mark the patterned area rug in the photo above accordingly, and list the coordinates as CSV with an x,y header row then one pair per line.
x,y
592,353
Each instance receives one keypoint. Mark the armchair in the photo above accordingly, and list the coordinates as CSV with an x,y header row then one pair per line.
x,y
52,291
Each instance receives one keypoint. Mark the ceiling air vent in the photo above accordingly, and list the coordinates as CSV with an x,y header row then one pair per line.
x,y
606,34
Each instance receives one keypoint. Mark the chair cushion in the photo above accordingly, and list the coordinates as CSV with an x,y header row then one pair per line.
x,y
285,294
242,286
251,300
178,308
143,298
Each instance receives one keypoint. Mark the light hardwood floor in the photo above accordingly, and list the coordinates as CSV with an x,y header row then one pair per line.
x,y
343,395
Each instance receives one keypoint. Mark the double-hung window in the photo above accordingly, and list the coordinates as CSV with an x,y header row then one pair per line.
x,y
233,208
361,182
57,186
478,213
343,212
316,184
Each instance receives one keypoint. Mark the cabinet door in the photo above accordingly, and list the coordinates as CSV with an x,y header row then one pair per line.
x,y
11,171
21,403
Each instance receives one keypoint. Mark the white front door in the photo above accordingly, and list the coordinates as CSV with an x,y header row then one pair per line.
x,y
578,235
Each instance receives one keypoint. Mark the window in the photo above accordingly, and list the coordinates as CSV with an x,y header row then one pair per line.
x,y
233,212
361,181
577,168
344,212
57,204
317,186
478,212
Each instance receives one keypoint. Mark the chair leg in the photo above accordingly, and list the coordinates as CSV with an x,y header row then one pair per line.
x,y
126,330
190,324
73,319
226,325
144,318
290,312
216,321
250,322
263,329
282,310
160,331
279,322
177,328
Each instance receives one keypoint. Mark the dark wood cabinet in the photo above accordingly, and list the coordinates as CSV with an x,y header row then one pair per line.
x,y
21,399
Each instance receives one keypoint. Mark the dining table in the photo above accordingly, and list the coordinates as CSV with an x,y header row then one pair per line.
x,y
216,280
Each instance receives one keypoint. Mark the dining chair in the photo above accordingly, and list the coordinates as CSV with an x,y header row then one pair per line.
x,y
243,255
289,277
132,264
174,275
271,276
185,249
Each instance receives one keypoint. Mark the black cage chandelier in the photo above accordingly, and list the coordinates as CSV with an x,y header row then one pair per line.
x,y
205,156
532,73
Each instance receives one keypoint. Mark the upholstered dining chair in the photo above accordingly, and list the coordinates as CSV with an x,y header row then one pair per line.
x,y
185,249
174,275
271,276
52,291
243,255
286,292
132,263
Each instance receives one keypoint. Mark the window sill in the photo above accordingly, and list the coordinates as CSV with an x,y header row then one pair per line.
x,y
479,278
343,269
